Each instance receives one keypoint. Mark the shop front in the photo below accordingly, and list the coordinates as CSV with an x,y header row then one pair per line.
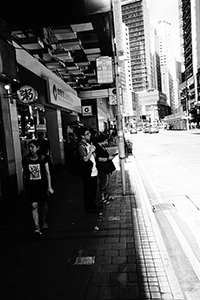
x,y
63,110
43,106
30,104
8,76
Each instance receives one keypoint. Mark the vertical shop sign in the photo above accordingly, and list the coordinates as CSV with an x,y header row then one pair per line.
x,y
112,96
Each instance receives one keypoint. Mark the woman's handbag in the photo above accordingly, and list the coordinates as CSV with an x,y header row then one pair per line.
x,y
79,167
108,167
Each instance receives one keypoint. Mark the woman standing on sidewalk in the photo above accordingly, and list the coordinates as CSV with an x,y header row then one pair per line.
x,y
37,182
105,167
87,153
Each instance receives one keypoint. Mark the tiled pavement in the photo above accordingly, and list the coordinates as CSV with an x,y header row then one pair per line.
x,y
128,259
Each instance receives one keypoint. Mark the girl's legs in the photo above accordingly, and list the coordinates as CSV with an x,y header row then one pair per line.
x,y
89,192
35,215
103,184
93,191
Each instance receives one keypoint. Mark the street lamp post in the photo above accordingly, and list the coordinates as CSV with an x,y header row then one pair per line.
x,y
187,108
118,51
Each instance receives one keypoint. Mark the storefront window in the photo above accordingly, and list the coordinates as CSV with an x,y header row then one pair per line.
x,y
31,120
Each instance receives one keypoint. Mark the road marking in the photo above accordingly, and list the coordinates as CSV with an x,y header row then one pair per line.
x,y
185,246
164,169
186,215
142,194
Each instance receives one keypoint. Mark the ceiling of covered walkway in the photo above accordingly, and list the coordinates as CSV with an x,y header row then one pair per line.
x,y
66,36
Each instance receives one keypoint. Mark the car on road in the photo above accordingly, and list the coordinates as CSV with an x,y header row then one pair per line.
x,y
133,130
154,129
146,130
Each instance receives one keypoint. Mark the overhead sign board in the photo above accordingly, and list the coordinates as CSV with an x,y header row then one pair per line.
x,y
63,98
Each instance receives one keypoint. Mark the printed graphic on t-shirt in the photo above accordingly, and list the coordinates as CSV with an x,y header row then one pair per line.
x,y
35,172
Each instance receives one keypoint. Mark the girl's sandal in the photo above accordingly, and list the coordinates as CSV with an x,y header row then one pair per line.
x,y
110,198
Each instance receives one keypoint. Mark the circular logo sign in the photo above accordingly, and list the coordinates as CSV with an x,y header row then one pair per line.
x,y
27,94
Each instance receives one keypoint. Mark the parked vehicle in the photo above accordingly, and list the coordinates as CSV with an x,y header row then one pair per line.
x,y
154,129
133,130
146,130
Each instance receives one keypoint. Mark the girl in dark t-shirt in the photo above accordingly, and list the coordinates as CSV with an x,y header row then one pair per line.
x,y
37,181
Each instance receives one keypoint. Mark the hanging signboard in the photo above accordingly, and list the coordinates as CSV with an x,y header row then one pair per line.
x,y
112,96
87,110
27,94
104,69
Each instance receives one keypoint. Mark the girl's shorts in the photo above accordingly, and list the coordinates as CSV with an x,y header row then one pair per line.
x,y
37,194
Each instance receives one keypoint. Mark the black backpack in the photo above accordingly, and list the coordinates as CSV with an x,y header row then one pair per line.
x,y
77,166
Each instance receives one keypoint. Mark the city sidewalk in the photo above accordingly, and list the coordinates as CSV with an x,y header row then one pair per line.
x,y
118,254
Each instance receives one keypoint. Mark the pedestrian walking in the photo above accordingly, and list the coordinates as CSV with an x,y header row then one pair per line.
x,y
105,167
87,153
37,182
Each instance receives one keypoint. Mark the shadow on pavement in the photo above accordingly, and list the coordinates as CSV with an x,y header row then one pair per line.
x,y
44,267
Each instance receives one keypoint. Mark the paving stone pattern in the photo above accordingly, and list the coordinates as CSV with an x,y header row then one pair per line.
x,y
128,264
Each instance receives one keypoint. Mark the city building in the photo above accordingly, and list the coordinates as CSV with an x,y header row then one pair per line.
x,y
42,74
170,83
135,15
156,71
153,105
190,17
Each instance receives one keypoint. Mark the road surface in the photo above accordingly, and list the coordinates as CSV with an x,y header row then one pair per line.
x,y
169,165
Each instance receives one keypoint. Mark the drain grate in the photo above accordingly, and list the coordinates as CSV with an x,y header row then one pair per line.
x,y
162,206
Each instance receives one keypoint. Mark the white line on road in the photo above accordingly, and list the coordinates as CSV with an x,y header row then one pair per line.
x,y
185,246
141,192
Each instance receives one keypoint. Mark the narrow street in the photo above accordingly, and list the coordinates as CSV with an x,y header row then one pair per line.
x,y
169,166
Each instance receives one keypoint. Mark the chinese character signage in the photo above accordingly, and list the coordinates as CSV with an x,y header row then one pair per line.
x,y
27,94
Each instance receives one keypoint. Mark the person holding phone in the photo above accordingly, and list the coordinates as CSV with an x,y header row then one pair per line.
x,y
105,167
86,151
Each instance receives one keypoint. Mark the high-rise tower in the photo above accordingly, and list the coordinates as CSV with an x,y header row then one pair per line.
x,y
189,12
135,15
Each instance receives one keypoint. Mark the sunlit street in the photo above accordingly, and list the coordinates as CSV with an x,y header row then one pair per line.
x,y
169,165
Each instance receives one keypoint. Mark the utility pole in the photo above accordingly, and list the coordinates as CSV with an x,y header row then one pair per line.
x,y
187,107
119,51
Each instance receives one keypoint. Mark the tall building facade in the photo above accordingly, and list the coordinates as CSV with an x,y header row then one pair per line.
x,y
156,71
135,15
170,83
189,12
